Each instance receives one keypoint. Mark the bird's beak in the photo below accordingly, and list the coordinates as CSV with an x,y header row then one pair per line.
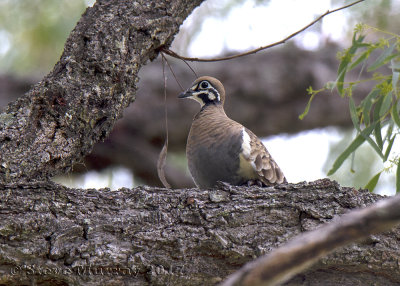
x,y
185,94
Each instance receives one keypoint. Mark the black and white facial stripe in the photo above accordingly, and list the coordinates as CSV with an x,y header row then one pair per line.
x,y
206,93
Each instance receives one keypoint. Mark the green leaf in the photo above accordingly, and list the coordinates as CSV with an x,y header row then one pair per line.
x,y
395,114
366,105
340,83
346,60
301,116
389,131
385,104
382,106
389,148
378,128
353,157
360,59
398,178
372,183
353,113
351,148
383,58
354,117
378,147
395,78
357,43
395,66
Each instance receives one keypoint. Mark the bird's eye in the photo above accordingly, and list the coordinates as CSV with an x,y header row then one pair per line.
x,y
204,84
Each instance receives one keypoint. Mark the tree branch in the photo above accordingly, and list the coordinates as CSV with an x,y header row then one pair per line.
x,y
290,259
76,105
175,55
153,236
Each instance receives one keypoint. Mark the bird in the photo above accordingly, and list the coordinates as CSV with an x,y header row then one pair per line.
x,y
220,149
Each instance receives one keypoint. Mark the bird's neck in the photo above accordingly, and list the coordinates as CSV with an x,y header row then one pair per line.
x,y
211,109
212,105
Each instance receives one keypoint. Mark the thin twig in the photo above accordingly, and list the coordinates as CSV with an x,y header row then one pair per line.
x,y
304,250
162,158
172,71
175,55
195,74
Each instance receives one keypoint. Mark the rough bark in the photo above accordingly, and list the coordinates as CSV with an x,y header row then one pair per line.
x,y
60,119
301,252
150,236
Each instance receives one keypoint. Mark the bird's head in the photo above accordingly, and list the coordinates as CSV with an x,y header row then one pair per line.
x,y
206,90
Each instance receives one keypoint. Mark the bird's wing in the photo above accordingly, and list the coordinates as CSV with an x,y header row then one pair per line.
x,y
255,153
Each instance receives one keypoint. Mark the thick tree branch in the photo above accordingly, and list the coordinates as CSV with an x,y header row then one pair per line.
x,y
57,122
150,236
297,255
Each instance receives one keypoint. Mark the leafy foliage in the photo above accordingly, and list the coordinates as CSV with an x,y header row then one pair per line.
x,y
376,118
35,32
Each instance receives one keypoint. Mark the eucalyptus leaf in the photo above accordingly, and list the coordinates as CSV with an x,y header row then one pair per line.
x,y
351,148
387,101
395,78
389,131
398,178
346,60
360,59
395,114
353,114
383,58
378,128
389,148
301,116
372,183
366,104
395,66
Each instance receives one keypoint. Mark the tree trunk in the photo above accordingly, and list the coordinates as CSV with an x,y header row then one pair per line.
x,y
152,236
59,120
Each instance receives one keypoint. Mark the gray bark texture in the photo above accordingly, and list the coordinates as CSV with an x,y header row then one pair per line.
x,y
154,236
53,235
59,120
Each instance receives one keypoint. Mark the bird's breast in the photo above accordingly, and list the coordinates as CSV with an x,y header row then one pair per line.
x,y
213,149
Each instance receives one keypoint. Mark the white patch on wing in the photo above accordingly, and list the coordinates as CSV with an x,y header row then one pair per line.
x,y
246,147
247,166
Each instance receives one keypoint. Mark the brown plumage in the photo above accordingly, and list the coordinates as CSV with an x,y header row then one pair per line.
x,y
221,149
